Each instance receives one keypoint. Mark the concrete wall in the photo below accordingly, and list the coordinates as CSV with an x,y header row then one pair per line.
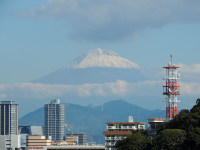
x,y
9,141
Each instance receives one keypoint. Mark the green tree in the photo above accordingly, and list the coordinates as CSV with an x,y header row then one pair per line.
x,y
139,140
193,141
171,139
189,121
182,132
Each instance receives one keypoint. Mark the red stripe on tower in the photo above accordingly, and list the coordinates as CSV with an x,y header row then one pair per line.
x,y
171,89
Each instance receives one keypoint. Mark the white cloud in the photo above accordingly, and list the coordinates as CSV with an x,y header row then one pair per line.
x,y
115,19
193,68
38,90
189,73
190,88
118,89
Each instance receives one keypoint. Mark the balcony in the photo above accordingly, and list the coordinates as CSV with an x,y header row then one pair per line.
x,y
110,144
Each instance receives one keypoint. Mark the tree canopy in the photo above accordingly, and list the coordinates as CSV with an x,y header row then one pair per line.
x,y
171,139
182,132
138,140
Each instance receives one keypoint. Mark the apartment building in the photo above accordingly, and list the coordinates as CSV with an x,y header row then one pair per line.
x,y
120,130
54,120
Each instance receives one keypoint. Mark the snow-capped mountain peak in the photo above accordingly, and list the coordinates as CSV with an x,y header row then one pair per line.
x,y
102,58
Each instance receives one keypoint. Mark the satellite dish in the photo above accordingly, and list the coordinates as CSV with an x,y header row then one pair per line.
x,y
171,89
178,75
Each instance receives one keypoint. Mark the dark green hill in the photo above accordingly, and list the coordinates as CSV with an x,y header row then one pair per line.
x,y
123,109
92,120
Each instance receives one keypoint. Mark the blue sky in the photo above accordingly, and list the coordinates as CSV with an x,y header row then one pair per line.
x,y
33,45
41,36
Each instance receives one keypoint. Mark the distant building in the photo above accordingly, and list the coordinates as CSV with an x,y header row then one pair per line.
x,y
29,130
82,139
72,139
9,118
9,137
120,130
35,141
39,142
154,124
76,147
68,147
54,120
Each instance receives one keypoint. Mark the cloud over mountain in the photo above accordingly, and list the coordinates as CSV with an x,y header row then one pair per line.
x,y
40,90
115,20
120,89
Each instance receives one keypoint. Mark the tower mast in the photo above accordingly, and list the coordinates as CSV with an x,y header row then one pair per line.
x,y
171,89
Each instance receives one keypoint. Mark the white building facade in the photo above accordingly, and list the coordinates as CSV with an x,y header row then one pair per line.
x,y
120,130
54,120
9,138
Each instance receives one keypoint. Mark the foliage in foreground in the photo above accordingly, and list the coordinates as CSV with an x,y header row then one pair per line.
x,y
138,140
182,132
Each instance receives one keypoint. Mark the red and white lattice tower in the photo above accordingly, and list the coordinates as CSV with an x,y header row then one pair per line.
x,y
171,89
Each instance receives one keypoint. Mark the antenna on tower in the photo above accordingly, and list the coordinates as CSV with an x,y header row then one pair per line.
x,y
171,58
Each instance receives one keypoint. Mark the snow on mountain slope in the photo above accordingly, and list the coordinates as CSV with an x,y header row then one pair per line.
x,y
101,58
96,66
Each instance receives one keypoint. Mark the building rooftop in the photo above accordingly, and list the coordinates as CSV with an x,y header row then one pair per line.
x,y
125,123
7,102
153,119
55,101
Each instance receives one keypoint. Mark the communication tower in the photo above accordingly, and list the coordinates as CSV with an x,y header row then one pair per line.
x,y
171,90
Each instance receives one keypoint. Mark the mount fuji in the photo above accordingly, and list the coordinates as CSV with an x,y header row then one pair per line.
x,y
95,66
101,58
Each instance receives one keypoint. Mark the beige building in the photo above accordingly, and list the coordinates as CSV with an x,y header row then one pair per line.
x,y
37,140
120,130
72,139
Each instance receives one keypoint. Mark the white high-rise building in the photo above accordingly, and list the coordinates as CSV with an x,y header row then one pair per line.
x,y
54,120
9,118
9,138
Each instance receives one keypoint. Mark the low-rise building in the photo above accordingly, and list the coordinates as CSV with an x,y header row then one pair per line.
x,y
29,130
82,139
33,141
38,142
120,130
68,147
154,124
76,147
72,139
